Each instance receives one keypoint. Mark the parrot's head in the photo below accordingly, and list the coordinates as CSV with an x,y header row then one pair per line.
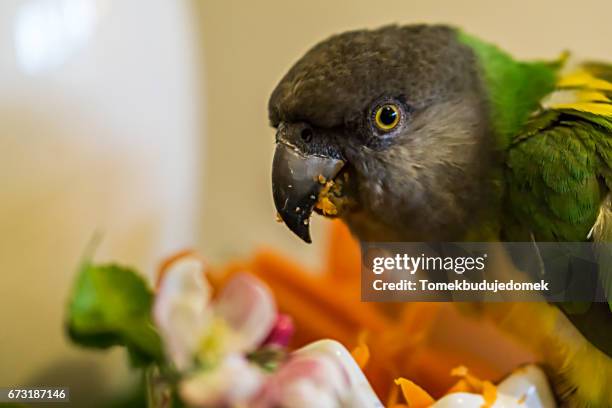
x,y
386,129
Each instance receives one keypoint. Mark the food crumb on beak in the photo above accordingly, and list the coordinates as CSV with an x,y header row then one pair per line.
x,y
324,203
333,189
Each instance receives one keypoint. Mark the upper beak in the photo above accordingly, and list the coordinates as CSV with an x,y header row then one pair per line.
x,y
296,183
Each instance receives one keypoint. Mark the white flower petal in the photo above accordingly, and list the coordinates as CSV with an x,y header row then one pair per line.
x,y
305,394
531,384
467,400
460,400
248,307
181,310
356,390
233,383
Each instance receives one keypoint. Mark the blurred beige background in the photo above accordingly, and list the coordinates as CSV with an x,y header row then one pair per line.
x,y
154,130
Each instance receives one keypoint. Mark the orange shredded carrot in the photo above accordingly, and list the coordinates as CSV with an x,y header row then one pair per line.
x,y
166,263
312,322
392,397
460,386
277,270
474,382
415,396
429,366
489,394
460,371
420,317
361,354
343,256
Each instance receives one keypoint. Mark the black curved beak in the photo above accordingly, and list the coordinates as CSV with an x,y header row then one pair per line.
x,y
297,179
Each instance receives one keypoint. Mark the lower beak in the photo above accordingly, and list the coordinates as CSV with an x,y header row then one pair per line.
x,y
297,179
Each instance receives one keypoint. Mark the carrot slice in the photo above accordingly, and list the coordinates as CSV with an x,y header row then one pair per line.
x,y
343,256
415,396
489,394
460,386
166,263
361,353
474,384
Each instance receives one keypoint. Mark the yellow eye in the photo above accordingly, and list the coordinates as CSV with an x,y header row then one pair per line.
x,y
387,117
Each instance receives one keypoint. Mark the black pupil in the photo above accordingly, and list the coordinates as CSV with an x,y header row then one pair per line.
x,y
387,115
306,135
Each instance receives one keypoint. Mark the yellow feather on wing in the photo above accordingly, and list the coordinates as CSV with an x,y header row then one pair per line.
x,y
591,90
589,107
583,79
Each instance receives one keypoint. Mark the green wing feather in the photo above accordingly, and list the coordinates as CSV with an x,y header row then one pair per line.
x,y
558,179
514,88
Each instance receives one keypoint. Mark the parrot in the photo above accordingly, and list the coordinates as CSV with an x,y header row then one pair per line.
x,y
428,133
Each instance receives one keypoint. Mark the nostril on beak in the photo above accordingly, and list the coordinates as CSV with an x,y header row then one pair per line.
x,y
306,134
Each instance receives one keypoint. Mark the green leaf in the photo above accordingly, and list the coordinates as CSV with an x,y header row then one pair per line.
x,y
111,305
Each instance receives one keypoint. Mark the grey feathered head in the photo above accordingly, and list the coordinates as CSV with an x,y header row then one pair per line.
x,y
396,119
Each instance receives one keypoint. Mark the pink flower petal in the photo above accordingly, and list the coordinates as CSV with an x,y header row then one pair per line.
x,y
305,381
248,308
181,310
281,332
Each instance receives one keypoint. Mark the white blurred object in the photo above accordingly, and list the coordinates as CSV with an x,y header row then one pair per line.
x,y
47,33
527,387
99,132
359,393
530,384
